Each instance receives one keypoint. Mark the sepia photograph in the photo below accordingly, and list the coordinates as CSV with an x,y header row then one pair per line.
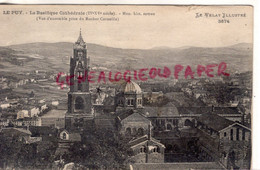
x,y
131,87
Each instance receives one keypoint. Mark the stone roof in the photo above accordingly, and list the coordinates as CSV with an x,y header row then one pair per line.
x,y
130,87
15,131
169,110
42,130
177,165
133,117
214,121
122,114
55,113
142,139
208,109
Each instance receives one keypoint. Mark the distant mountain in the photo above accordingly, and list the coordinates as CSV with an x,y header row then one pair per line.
x,y
243,45
55,57
161,48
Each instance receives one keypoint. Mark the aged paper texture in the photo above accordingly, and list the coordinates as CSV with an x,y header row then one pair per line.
x,y
125,87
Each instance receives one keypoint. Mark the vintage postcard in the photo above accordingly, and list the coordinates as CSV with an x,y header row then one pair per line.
x,y
138,87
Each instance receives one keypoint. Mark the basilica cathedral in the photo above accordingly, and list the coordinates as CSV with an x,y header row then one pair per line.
x,y
155,134
125,117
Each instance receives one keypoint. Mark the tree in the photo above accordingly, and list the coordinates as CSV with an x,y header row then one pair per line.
x,y
99,149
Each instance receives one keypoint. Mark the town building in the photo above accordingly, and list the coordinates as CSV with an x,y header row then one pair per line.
x,y
224,140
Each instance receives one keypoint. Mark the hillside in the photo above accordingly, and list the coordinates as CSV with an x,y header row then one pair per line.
x,y
55,57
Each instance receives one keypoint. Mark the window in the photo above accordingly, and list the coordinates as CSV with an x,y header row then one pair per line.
x,y
80,77
64,136
243,134
120,102
158,149
130,102
142,149
237,134
128,131
79,86
80,74
80,54
231,134
79,103
140,131
225,134
139,101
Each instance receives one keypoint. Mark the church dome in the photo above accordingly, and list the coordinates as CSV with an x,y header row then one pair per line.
x,y
130,87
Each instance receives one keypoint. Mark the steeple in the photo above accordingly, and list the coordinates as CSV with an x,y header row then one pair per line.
x,y
79,98
80,41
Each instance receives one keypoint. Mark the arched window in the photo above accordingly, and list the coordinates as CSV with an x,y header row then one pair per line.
x,y
130,102
231,134
64,136
139,101
140,131
79,103
120,102
224,154
80,77
142,149
128,131
187,122
243,134
169,127
237,135
158,149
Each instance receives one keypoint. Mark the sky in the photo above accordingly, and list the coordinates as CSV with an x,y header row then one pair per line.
x,y
171,26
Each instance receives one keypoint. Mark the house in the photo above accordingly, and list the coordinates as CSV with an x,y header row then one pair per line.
x,y
199,93
28,121
224,140
5,105
45,132
66,139
11,133
31,140
34,112
22,114
152,96
4,122
71,136
43,107
55,103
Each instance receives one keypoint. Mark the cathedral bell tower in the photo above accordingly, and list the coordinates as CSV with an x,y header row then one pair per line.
x,y
79,114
